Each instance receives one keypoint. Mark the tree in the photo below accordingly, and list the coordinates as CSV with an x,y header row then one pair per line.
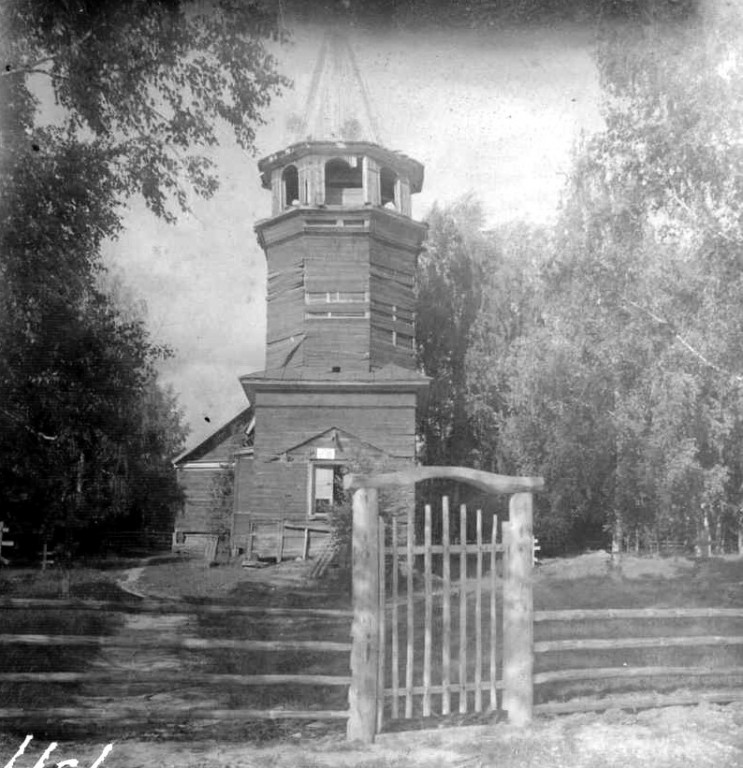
x,y
143,82
448,293
635,382
141,86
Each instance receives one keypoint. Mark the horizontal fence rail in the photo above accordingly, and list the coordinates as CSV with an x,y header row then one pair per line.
x,y
171,607
638,701
599,644
135,715
194,678
174,643
604,614
602,673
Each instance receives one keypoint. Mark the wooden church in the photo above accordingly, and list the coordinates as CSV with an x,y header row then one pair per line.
x,y
340,387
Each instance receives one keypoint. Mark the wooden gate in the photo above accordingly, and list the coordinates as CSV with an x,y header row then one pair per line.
x,y
426,640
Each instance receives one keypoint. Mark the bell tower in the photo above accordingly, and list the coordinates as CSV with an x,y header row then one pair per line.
x,y
340,385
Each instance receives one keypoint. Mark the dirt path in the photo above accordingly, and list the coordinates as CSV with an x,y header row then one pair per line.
x,y
139,662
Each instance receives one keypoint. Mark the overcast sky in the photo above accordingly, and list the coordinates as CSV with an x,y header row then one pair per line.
x,y
492,113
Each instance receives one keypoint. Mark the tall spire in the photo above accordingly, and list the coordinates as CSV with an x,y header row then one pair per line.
x,y
338,107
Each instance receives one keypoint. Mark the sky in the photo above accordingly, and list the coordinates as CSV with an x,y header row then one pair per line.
x,y
493,114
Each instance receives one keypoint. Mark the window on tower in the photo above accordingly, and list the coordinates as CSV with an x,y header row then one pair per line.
x,y
290,184
344,182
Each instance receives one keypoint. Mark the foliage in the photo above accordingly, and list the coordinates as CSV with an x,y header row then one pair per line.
x,y
628,399
141,90
449,297
605,355
146,83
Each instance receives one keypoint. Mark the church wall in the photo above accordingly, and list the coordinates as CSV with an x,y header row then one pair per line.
x,y
385,420
197,482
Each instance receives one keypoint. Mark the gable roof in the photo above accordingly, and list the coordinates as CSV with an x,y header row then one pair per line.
x,y
245,419
337,431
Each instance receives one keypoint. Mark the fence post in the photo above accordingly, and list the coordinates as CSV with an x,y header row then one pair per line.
x,y
518,611
362,694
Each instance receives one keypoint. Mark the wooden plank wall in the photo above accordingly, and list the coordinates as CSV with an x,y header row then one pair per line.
x,y
392,275
285,303
386,420
279,490
337,262
337,342
197,507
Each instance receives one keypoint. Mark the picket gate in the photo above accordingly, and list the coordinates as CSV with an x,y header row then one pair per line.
x,y
392,676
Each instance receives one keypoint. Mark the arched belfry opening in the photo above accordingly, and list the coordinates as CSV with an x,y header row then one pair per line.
x,y
290,185
388,187
344,182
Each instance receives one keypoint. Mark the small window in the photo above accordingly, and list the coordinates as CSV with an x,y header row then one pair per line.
x,y
336,297
326,489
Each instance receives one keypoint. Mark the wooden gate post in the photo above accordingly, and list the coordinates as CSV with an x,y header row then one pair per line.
x,y
518,611
362,694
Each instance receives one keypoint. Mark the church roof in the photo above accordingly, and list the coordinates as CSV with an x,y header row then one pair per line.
x,y
243,423
388,373
338,107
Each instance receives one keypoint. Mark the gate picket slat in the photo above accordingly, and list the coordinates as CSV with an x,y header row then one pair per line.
x,y
382,627
493,617
428,618
478,618
395,625
446,611
463,610
410,617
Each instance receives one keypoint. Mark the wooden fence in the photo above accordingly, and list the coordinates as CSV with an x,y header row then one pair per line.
x,y
128,715
589,648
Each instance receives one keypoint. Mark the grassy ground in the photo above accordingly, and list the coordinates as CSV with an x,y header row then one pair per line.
x,y
667,738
